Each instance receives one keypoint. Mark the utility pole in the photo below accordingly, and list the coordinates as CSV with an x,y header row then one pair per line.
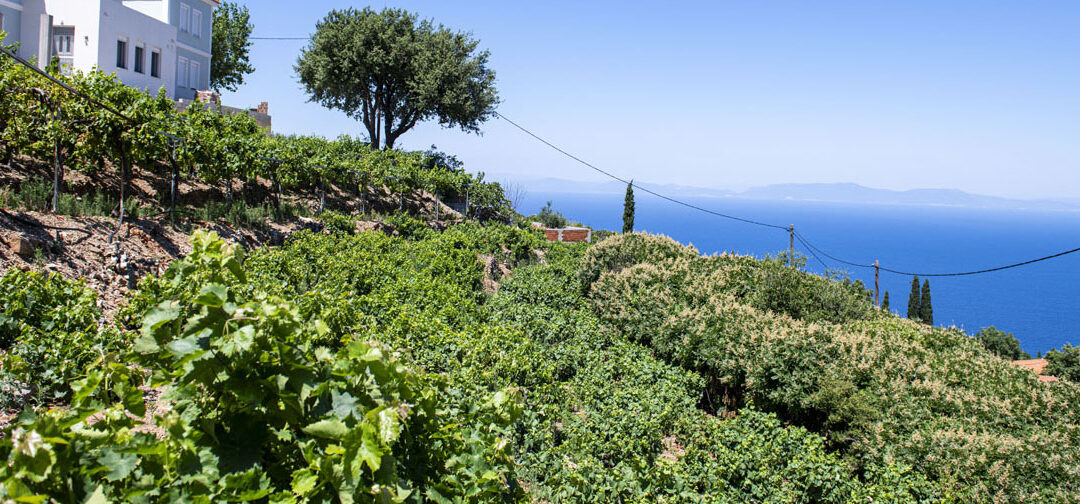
x,y
877,270
791,245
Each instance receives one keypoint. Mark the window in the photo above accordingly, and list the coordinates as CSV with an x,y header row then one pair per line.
x,y
155,63
63,47
193,79
185,15
196,23
140,57
182,72
121,53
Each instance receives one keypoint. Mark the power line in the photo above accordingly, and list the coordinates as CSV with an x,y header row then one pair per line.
x,y
802,239
951,274
279,38
649,191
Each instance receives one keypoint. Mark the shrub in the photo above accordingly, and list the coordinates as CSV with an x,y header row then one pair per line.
x,y
625,250
337,222
1001,344
1064,363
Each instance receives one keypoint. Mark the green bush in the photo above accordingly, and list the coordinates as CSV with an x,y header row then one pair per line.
x,y
1001,343
625,250
1064,363
337,222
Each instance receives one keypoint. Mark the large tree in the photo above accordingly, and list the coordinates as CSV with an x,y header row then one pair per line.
x,y
231,43
391,70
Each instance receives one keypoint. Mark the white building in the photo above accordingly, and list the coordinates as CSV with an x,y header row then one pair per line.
x,y
149,44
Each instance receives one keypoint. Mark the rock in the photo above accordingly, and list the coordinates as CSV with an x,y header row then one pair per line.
x,y
21,246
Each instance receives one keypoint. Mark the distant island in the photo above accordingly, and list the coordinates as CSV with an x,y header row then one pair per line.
x,y
823,192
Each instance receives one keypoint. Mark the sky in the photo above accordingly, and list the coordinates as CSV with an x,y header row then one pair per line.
x,y
982,96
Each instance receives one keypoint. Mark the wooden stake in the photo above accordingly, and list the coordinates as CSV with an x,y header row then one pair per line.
x,y
877,270
791,246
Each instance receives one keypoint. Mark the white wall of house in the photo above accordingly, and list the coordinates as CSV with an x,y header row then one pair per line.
x,y
139,31
84,16
147,26
157,9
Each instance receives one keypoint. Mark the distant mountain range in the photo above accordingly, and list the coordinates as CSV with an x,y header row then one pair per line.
x,y
832,193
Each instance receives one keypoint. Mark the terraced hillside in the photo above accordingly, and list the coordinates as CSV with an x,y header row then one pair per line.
x,y
347,367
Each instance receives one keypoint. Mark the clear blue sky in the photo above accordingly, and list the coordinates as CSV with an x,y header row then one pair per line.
x,y
982,96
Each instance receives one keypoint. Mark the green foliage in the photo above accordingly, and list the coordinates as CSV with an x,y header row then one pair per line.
x,y
214,147
926,307
619,252
406,226
337,222
231,44
928,405
258,411
391,69
49,334
628,209
1064,363
914,310
549,217
1001,343
885,303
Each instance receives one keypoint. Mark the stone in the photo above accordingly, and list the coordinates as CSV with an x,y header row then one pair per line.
x,y
21,246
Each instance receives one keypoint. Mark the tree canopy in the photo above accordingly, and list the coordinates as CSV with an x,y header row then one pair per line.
x,y
391,70
1001,343
231,43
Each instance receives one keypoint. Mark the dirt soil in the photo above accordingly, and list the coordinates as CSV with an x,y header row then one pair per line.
x,y
79,247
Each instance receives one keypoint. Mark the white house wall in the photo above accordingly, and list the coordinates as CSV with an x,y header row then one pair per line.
x,y
99,24
118,22
157,9
84,16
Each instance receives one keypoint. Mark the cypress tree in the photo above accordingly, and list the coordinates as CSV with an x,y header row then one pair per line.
x,y
913,300
628,209
926,310
885,302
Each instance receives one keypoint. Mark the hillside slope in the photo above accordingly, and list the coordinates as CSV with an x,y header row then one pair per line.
x,y
343,367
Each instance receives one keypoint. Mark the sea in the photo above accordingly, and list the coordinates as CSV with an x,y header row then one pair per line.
x,y
1038,303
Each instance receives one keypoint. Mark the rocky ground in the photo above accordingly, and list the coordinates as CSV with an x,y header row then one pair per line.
x,y
112,260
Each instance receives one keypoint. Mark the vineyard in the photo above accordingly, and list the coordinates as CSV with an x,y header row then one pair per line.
x,y
466,362
362,367
95,125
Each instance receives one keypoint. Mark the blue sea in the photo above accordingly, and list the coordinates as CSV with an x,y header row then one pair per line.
x,y
1037,303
